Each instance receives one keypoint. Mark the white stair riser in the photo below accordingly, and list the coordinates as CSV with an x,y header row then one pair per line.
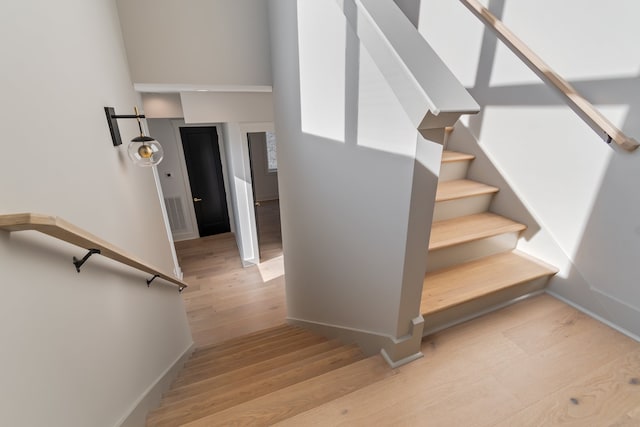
x,y
468,251
450,171
481,306
461,207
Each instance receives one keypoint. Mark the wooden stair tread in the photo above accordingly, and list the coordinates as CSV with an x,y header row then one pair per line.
x,y
300,397
469,228
459,188
184,392
254,335
232,394
454,156
455,285
231,362
266,346
253,343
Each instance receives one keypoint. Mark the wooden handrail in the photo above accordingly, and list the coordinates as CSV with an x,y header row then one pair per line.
x,y
587,112
63,230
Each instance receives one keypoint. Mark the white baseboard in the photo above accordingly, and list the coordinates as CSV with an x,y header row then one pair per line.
x,y
428,330
404,361
179,237
250,262
150,399
595,316
396,351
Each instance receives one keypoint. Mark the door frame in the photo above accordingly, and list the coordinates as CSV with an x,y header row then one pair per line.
x,y
246,128
207,189
180,123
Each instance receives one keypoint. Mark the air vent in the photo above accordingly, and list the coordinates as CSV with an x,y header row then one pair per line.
x,y
175,212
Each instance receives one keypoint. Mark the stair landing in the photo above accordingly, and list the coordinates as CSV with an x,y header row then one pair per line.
x,y
263,378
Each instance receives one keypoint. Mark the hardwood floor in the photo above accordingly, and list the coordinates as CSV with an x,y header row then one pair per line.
x,y
225,300
536,363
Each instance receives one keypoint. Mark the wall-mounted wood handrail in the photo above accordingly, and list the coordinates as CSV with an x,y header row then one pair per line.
x,y
587,112
63,230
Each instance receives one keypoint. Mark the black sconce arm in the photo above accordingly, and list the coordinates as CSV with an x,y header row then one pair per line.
x,y
112,119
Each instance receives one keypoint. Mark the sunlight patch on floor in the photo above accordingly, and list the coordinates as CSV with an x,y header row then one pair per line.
x,y
271,269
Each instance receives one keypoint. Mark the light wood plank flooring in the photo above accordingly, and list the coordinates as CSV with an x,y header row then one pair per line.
x,y
535,363
225,300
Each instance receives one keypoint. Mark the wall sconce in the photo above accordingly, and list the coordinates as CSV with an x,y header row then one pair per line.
x,y
143,150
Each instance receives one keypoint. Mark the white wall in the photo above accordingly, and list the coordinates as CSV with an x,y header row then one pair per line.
x,y
220,107
411,9
162,105
222,42
580,193
174,176
77,349
346,165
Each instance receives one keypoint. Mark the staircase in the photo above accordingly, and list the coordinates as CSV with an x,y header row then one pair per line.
x,y
472,266
263,378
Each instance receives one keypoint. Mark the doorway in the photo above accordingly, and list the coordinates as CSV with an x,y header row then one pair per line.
x,y
204,168
264,176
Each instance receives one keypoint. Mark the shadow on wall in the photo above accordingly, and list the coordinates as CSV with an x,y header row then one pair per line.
x,y
604,270
506,202
355,245
609,251
606,91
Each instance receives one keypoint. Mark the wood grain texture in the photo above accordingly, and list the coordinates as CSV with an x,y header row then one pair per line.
x,y
460,188
302,396
609,389
451,286
193,389
505,368
480,373
219,365
242,340
225,299
461,379
227,395
57,227
469,228
454,156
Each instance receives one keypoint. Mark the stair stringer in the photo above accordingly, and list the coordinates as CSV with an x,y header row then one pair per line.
x,y
569,284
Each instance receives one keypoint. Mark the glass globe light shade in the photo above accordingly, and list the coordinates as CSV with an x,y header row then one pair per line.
x,y
145,151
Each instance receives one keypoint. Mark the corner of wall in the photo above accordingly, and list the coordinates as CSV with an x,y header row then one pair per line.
x,y
396,351
150,399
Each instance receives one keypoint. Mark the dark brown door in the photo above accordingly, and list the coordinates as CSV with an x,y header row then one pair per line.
x,y
202,155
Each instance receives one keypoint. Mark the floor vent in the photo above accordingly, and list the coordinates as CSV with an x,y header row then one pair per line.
x,y
175,212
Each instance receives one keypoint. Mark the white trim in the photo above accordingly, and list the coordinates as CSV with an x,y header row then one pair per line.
x,y
246,128
595,316
187,87
193,223
474,315
151,397
396,351
400,362
193,232
177,271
